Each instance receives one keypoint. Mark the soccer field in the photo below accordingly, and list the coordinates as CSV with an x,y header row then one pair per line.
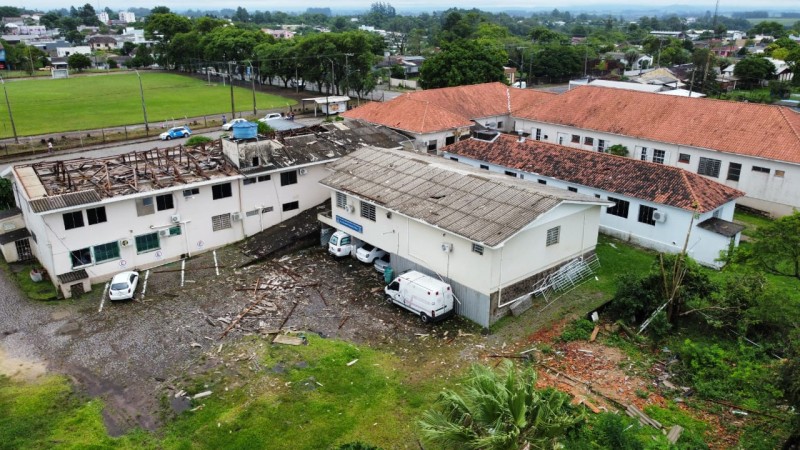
x,y
43,106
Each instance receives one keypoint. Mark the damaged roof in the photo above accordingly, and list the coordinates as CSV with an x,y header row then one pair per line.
x,y
479,206
442,109
658,183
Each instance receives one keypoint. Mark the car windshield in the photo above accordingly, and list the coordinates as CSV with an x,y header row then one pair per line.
x,y
334,240
119,286
367,248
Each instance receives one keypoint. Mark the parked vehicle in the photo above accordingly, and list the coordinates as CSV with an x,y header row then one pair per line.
x,y
368,253
382,263
123,286
271,116
175,133
426,296
229,126
341,244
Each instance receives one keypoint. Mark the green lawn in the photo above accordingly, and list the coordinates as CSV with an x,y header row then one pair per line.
x,y
89,102
785,21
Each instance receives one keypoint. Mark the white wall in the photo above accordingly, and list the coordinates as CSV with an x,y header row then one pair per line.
x,y
668,236
778,195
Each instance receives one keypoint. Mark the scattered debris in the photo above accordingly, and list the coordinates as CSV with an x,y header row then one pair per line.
x,y
674,434
594,333
201,395
288,340
352,362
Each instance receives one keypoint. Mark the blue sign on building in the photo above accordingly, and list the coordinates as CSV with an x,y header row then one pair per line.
x,y
349,224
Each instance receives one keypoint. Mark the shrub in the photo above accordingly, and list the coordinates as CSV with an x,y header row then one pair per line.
x,y
579,330
197,140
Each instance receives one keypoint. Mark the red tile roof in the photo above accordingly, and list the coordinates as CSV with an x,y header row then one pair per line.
x,y
447,108
654,182
764,131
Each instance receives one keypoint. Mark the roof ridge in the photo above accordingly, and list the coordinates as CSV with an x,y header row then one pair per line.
x,y
789,122
690,187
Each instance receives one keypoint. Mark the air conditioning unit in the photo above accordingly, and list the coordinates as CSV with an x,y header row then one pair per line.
x,y
659,216
303,171
164,232
125,243
349,208
236,216
447,247
175,218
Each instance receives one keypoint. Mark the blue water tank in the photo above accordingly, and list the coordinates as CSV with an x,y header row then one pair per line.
x,y
245,130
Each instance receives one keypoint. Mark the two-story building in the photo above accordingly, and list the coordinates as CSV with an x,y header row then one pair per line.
x,y
491,237
655,206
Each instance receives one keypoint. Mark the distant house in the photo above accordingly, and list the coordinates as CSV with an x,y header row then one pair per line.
x,y
491,237
102,43
278,34
654,205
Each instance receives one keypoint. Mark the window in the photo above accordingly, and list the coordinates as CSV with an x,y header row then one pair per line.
x,y
684,158
255,161
247,181
175,231
601,145
268,209
73,220
288,178
588,141
643,154
646,215
431,146
778,174
659,156
453,158
620,207
499,125
219,191
80,258
341,200
734,171
542,181
147,243
251,213
264,178
164,202
596,195
484,167
538,134
761,169
145,206
576,139
511,174
96,215
449,140
553,235
291,206
368,211
191,192
477,249
572,189
710,167
106,252
220,222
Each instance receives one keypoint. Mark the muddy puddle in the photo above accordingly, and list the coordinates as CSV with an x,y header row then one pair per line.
x,y
21,369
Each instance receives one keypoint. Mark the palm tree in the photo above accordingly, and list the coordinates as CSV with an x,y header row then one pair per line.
x,y
498,411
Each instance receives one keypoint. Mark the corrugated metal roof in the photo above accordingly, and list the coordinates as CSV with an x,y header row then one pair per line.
x,y
15,235
69,277
480,206
64,201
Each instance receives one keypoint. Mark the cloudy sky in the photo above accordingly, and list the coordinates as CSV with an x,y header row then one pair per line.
x,y
252,5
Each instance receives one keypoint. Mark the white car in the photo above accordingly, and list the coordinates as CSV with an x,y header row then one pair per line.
x,y
340,244
271,116
369,253
123,286
382,263
229,126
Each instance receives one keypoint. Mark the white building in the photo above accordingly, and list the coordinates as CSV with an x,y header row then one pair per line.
x,y
91,218
655,206
103,17
63,52
127,17
490,236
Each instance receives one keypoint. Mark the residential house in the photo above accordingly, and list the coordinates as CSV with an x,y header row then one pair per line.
x,y
655,206
751,147
91,218
279,34
491,237
102,43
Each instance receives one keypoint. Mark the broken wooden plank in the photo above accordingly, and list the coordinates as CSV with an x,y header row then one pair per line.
x,y
286,319
341,324
594,333
674,434
287,340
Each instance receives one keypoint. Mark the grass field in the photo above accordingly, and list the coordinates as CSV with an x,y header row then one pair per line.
x,y
84,103
787,22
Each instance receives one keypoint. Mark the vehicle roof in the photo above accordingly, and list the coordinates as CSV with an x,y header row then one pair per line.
x,y
423,280
340,233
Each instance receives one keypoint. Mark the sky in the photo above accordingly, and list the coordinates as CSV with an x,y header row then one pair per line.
x,y
428,5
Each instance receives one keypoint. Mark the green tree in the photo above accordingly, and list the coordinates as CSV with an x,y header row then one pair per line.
x,y
462,63
79,62
789,381
558,62
6,194
164,26
776,247
768,27
753,69
499,411
143,58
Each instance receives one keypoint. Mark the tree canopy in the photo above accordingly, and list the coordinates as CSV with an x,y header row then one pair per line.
x,y
79,62
753,69
463,62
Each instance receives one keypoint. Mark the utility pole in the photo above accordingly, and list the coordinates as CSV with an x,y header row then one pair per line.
x,y
10,116
230,75
346,75
253,83
144,109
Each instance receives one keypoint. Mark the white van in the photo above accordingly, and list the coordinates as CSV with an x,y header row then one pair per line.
x,y
341,244
432,299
